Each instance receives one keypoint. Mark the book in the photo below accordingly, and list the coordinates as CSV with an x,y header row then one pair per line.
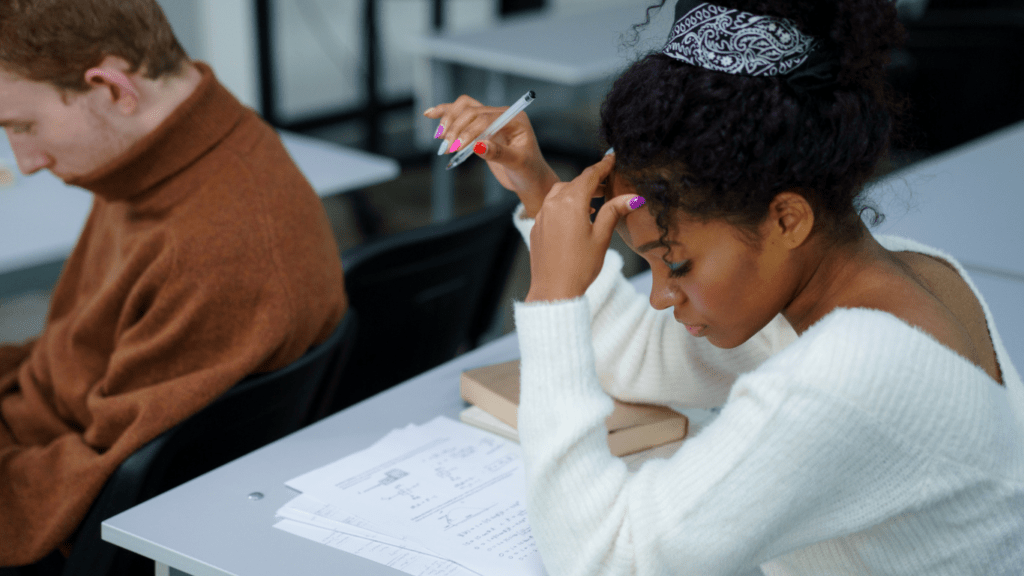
x,y
631,427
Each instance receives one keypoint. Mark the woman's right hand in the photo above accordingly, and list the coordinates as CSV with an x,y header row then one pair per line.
x,y
512,154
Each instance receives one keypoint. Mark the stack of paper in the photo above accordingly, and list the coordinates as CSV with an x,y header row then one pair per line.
x,y
444,498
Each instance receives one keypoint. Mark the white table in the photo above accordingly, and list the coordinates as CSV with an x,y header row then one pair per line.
x,y
209,526
968,201
569,50
41,217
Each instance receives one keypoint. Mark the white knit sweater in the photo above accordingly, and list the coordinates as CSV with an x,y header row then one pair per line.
x,y
862,447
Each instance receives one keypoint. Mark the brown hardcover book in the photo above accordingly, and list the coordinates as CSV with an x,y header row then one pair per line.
x,y
631,427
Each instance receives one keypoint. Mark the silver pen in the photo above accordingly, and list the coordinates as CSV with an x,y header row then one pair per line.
x,y
493,129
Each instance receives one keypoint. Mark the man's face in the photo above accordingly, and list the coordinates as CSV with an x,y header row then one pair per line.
x,y
70,136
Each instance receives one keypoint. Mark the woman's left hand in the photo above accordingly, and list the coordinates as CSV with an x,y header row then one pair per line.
x,y
566,250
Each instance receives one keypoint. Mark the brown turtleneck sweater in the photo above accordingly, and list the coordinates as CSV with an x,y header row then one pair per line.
x,y
206,257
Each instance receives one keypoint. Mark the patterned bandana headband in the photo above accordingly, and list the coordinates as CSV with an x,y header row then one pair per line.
x,y
736,42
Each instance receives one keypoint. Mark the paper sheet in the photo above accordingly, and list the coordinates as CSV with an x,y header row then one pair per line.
x,y
407,561
451,488
309,510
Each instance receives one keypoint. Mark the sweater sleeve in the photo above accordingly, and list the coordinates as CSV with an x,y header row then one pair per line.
x,y
728,500
644,355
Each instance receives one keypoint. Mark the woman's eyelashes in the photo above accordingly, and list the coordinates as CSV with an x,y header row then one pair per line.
x,y
678,269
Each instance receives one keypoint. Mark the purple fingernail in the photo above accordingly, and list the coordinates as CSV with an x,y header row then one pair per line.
x,y
637,202
440,131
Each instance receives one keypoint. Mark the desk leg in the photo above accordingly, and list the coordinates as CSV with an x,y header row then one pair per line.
x,y
165,570
442,199
497,95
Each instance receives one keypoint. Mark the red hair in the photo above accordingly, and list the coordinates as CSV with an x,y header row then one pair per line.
x,y
56,41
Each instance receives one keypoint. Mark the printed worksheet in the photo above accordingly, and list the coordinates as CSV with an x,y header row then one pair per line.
x,y
309,510
407,561
454,489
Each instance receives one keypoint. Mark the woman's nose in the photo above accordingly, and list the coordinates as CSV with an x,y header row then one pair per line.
x,y
663,294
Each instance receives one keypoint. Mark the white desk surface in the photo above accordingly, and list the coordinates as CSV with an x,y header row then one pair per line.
x,y
570,49
209,527
41,217
968,201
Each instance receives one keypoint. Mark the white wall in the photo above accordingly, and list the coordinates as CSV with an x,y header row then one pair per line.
x,y
221,33
319,45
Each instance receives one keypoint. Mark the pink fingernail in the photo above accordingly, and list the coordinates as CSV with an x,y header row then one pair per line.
x,y
455,146
637,202
440,131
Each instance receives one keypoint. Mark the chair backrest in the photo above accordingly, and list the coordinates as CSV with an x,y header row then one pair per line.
x,y
256,411
420,295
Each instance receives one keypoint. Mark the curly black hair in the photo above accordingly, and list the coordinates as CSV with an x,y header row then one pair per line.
x,y
721,146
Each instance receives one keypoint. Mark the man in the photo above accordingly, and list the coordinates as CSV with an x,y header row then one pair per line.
x,y
206,256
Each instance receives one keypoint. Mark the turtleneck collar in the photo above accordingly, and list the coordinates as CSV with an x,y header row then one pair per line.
x,y
194,127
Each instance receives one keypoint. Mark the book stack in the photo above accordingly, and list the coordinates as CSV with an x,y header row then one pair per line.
x,y
493,392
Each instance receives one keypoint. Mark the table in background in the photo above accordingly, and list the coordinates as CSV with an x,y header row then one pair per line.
x,y
565,49
968,201
41,217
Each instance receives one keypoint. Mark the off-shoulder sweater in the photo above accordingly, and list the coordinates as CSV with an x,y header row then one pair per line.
x,y
206,257
862,447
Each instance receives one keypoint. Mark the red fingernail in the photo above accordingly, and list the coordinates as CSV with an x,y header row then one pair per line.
x,y
480,148
455,146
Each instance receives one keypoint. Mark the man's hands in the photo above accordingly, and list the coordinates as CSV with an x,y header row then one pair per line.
x,y
512,154
566,250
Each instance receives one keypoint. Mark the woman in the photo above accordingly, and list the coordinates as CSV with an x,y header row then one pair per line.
x,y
872,421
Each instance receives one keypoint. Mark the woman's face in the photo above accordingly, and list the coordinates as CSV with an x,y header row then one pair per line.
x,y
721,287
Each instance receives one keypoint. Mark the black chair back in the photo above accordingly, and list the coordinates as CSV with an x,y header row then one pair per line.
x,y
423,296
258,410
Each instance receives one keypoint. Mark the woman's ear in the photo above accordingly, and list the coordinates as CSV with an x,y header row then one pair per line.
x,y
791,219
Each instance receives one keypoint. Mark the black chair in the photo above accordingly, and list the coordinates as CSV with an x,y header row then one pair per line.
x,y
423,296
256,411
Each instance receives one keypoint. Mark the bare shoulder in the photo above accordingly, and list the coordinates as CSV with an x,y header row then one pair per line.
x,y
940,302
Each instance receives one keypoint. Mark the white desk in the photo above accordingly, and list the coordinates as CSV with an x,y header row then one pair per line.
x,y
565,49
209,527
41,217
968,201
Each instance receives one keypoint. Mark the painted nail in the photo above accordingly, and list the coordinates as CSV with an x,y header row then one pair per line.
x,y
428,111
444,146
455,146
637,202
609,151
480,148
440,131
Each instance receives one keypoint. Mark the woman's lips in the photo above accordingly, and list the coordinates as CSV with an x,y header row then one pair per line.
x,y
695,330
